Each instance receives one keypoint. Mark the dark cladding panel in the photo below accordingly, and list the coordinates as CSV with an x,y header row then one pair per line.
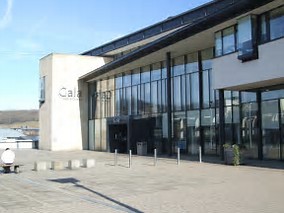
x,y
190,17
153,31
218,6
136,37
108,48
94,52
171,24
121,43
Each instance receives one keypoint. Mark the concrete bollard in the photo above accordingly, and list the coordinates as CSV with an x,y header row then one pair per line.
x,y
73,164
200,154
130,158
115,157
40,166
89,163
56,165
155,157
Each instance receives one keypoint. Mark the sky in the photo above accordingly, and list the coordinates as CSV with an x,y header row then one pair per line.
x,y
31,29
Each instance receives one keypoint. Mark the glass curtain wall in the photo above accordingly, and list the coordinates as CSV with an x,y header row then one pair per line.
x,y
142,94
249,126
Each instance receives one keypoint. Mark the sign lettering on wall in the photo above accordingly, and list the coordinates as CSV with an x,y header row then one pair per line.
x,y
70,93
103,96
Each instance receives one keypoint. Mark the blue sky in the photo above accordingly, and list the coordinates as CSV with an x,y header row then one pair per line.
x,y
31,29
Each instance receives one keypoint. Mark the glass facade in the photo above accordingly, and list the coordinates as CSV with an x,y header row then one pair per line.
x,y
141,96
133,106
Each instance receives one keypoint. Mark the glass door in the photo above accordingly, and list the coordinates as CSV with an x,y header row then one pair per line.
x,y
270,129
282,128
249,129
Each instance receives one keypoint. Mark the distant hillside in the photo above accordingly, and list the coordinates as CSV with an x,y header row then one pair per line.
x,y
19,117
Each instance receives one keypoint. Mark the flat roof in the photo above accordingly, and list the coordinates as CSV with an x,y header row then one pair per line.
x,y
231,10
162,27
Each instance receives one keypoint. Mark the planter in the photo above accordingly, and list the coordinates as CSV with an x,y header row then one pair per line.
x,y
233,155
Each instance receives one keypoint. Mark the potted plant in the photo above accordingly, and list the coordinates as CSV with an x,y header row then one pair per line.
x,y
233,154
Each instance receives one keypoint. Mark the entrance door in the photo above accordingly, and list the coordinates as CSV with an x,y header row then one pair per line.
x,y
271,130
282,128
249,128
118,138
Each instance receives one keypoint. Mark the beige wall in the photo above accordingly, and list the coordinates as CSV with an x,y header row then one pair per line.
x,y
231,73
64,115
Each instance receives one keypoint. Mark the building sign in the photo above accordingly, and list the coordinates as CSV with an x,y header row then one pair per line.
x,y
70,93
103,96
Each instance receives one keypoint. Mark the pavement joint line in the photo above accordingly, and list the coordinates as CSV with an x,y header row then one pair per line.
x,y
83,198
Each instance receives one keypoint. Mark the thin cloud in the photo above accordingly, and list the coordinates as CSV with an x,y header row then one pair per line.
x,y
7,17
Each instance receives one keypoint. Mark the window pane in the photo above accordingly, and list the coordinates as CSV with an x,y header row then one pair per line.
x,y
277,23
156,72
188,91
164,70
145,75
127,80
178,68
245,44
42,90
263,35
206,57
118,82
195,90
154,96
117,102
177,93
192,63
164,95
147,98
134,100
229,40
205,89
136,77
218,43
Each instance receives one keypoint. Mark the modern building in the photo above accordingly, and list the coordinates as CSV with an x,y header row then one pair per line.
x,y
206,77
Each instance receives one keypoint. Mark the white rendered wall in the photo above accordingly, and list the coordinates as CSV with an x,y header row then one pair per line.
x,y
64,115
231,73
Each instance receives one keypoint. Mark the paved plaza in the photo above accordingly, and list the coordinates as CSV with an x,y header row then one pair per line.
x,y
168,187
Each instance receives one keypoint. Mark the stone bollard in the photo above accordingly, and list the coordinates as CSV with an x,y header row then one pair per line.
x,y
40,166
73,164
56,165
88,163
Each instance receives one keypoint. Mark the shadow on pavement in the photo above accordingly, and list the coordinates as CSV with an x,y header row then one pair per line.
x,y
76,183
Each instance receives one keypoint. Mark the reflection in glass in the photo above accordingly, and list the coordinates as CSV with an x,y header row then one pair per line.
x,y
145,75
134,99
282,126
177,93
179,131
192,63
245,35
135,77
193,131
277,23
178,68
206,89
154,96
208,126
270,130
249,128
229,40
218,44
194,90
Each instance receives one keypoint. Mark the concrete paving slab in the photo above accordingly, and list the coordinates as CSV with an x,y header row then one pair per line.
x,y
189,187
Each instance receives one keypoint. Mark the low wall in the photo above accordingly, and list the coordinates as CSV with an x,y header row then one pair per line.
x,y
19,145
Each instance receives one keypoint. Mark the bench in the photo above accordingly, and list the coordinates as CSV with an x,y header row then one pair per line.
x,y
7,168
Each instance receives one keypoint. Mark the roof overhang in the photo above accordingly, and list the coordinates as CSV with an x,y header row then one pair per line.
x,y
233,10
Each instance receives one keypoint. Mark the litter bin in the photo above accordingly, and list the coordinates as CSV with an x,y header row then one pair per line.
x,y
142,148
